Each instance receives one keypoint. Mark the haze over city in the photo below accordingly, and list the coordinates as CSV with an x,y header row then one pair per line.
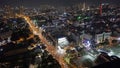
x,y
37,3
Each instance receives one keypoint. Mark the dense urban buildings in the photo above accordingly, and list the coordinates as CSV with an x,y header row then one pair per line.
x,y
74,36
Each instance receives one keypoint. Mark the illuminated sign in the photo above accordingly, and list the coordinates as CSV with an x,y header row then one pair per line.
x,y
63,41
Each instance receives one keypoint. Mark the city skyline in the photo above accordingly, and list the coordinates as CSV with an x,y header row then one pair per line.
x,y
59,33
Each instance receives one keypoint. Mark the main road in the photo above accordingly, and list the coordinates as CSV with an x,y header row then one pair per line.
x,y
50,48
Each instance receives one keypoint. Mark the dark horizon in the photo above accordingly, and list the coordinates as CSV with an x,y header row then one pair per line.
x,y
37,3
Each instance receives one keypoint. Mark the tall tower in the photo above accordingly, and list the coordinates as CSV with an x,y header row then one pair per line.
x,y
21,10
100,9
84,5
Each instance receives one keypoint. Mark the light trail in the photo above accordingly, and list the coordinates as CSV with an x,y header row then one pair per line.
x,y
50,48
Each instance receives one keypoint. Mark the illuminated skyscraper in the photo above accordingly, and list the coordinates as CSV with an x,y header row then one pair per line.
x,y
84,6
21,10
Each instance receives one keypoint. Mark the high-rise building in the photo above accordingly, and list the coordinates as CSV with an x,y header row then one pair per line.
x,y
21,10
8,11
84,6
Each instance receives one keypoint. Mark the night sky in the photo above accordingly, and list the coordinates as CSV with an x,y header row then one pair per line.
x,y
37,3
